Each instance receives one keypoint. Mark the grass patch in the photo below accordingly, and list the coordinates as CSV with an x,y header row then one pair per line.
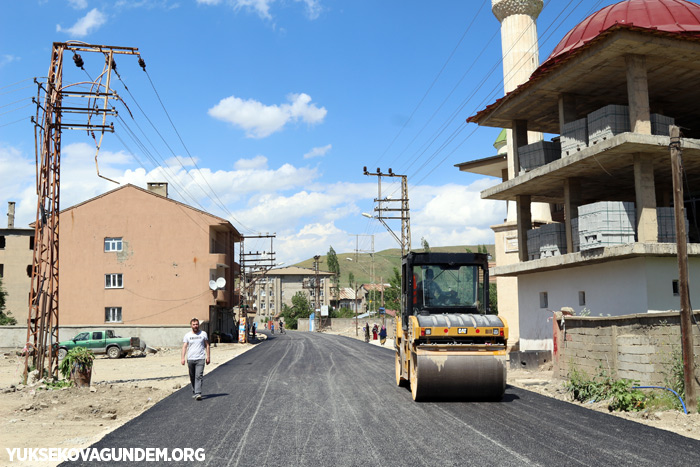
x,y
603,386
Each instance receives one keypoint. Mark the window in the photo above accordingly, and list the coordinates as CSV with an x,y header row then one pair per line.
x,y
113,244
2,270
113,315
582,298
31,242
2,242
262,292
544,301
262,305
674,287
272,305
97,336
83,336
113,281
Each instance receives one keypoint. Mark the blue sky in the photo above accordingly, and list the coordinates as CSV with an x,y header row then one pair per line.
x,y
279,103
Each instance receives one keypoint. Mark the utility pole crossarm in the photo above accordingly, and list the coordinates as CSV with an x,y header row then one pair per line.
x,y
405,239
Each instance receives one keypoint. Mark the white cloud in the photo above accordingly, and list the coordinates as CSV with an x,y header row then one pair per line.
x,y
78,4
257,162
313,8
260,121
180,161
307,215
85,25
261,7
318,152
454,214
17,184
6,59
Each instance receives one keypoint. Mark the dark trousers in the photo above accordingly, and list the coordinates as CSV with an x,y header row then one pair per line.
x,y
196,368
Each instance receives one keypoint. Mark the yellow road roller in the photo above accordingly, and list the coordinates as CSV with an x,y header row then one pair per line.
x,y
448,345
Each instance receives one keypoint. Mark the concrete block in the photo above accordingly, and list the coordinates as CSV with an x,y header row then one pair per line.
x,y
574,136
630,358
529,359
606,122
537,154
636,349
640,368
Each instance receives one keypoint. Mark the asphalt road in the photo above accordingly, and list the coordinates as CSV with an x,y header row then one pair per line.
x,y
310,399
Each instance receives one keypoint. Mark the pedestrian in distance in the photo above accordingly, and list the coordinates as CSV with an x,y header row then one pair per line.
x,y
255,328
272,327
366,332
382,335
375,330
195,350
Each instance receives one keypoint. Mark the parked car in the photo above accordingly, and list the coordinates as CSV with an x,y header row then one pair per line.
x,y
102,342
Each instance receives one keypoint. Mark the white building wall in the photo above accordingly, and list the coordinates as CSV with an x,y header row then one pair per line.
x,y
637,285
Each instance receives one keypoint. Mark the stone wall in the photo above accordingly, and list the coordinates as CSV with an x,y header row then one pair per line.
x,y
638,347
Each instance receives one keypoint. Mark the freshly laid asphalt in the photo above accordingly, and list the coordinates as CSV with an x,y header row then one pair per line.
x,y
312,399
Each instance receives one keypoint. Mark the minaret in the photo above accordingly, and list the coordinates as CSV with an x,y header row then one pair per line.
x,y
521,57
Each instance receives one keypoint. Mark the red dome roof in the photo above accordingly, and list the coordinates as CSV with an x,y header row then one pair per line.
x,y
675,16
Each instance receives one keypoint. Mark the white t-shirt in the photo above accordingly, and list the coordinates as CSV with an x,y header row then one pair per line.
x,y
196,349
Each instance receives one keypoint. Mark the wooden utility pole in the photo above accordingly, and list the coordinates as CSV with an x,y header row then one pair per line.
x,y
683,288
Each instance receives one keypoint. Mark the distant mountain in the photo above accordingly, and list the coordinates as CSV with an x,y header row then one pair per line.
x,y
384,262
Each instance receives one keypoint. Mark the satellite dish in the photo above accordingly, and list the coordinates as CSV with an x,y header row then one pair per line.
x,y
212,285
220,282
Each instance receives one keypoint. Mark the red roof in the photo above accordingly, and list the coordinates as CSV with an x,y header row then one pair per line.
x,y
676,16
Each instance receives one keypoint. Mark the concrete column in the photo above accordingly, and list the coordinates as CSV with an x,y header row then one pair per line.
x,y
638,94
524,224
520,138
572,200
647,225
567,110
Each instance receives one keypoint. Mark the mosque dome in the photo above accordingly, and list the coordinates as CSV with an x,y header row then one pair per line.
x,y
671,16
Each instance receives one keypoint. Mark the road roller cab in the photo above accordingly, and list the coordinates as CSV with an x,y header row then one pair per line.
x,y
448,345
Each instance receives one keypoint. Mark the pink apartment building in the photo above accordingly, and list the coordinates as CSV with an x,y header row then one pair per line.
x,y
134,257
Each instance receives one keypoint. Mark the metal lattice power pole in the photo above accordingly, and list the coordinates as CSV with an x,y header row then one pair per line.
x,y
404,210
249,262
43,320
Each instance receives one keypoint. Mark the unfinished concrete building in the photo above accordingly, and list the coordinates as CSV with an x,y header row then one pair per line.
x,y
609,90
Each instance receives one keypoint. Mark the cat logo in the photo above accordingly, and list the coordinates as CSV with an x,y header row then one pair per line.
x,y
461,330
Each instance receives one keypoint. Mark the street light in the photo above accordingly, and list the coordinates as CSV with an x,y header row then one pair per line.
x,y
368,215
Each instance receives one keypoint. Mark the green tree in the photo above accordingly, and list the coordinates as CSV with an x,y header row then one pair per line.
x,y
332,261
493,298
334,267
351,279
5,319
392,295
300,309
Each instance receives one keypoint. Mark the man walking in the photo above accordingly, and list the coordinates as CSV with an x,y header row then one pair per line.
x,y
196,347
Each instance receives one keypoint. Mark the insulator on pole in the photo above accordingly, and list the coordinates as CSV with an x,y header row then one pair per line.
x,y
78,61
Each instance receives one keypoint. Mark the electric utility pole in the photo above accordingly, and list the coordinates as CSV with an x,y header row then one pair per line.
x,y
249,262
56,100
391,206
683,288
